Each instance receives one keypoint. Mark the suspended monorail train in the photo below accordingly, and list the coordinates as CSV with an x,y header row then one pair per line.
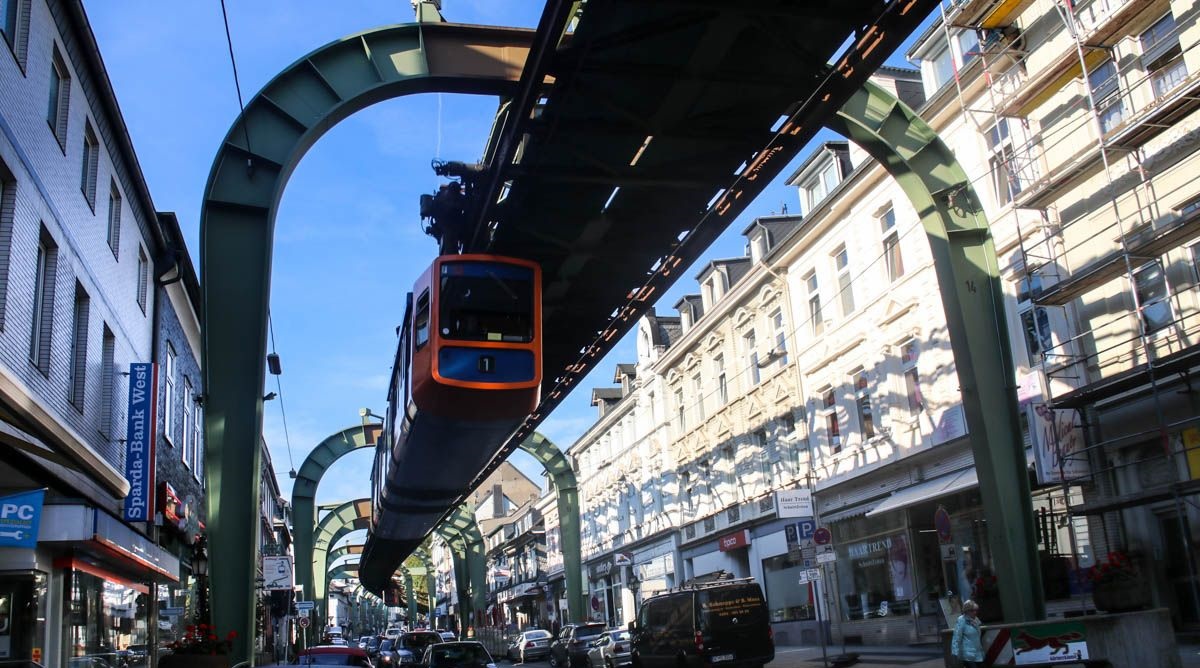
x,y
467,373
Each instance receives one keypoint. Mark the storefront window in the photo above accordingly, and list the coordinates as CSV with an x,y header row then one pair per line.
x,y
787,601
875,577
22,615
171,599
102,618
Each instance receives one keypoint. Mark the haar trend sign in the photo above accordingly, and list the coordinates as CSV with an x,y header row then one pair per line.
x,y
139,441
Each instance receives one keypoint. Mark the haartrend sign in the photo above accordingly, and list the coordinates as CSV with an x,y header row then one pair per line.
x,y
139,442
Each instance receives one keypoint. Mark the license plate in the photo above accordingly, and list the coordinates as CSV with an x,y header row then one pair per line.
x,y
722,657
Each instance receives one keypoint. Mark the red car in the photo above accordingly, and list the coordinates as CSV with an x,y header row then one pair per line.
x,y
334,655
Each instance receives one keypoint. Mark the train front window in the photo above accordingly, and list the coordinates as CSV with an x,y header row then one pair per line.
x,y
486,301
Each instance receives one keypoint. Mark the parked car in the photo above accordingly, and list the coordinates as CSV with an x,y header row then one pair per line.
x,y
334,655
531,644
363,641
610,650
410,647
570,648
723,624
463,654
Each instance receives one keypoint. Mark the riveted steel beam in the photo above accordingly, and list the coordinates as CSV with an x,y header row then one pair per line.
x,y
558,467
237,222
964,258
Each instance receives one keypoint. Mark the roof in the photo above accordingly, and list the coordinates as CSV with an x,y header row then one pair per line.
x,y
606,394
664,329
733,263
788,220
629,370
825,147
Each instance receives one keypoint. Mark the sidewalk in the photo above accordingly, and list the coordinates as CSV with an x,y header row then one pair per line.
x,y
884,656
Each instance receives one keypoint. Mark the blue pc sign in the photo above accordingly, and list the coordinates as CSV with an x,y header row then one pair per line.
x,y
20,515
806,528
139,442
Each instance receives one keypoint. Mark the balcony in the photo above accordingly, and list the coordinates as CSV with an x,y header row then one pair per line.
x,y
985,13
1103,23
1162,113
1021,93
1081,166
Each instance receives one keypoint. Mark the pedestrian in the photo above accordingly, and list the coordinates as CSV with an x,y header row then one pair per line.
x,y
965,643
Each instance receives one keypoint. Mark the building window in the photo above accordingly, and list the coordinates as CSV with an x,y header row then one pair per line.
x,y
862,404
779,334
79,349
169,395
968,46
750,345
185,434
832,428
90,165
942,67
59,102
841,263
786,601
765,460
1035,320
143,277
14,26
114,220
787,425
1103,82
698,393
1005,184
685,488
1150,284
8,205
1162,57
45,274
680,412
909,354
107,376
814,304
891,245
722,383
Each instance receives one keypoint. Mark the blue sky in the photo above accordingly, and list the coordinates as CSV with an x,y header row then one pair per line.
x,y
348,243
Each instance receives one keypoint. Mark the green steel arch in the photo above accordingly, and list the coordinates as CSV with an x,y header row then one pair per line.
x,y
304,492
237,222
470,565
560,471
338,522
969,279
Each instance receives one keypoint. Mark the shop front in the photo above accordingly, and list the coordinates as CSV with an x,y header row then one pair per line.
x,y
607,591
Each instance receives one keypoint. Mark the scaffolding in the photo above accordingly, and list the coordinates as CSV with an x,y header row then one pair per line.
x,y
1114,248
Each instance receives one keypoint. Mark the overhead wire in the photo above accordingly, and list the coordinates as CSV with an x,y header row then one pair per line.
x,y
279,392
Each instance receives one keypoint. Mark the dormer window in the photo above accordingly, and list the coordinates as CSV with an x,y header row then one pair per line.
x,y
820,185
758,246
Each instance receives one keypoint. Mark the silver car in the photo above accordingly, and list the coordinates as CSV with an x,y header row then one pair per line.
x,y
610,650
531,644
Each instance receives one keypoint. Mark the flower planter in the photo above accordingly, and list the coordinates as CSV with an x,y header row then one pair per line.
x,y
194,661
1120,595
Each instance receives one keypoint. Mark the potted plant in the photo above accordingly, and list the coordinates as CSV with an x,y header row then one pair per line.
x,y
1117,585
200,647
985,591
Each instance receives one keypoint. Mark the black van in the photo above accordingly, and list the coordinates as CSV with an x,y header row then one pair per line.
x,y
717,624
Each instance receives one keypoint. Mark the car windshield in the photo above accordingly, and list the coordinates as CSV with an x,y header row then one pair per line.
x,y
387,645
589,630
537,635
334,660
459,656
417,642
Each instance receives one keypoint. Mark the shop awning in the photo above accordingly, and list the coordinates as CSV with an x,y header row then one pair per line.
x,y
925,491
109,541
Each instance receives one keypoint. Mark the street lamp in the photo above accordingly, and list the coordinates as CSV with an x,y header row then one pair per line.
x,y
200,570
634,585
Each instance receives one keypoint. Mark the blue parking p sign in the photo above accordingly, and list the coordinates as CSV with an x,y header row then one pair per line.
x,y
806,528
20,515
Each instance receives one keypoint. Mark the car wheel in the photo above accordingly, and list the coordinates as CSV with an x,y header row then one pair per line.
x,y
553,660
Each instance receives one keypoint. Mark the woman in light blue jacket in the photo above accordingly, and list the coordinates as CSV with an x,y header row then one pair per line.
x,y
965,643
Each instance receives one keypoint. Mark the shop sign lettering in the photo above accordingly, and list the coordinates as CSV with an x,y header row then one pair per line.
x,y
139,441
866,548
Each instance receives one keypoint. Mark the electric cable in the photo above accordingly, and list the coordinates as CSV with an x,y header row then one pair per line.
x,y
236,82
279,392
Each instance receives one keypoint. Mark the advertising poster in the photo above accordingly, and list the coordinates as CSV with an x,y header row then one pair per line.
x,y
1058,443
1049,643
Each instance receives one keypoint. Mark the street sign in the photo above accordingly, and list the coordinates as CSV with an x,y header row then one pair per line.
x,y
814,574
171,612
950,552
277,573
827,556
304,622
305,606
805,576
808,552
806,528
822,536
